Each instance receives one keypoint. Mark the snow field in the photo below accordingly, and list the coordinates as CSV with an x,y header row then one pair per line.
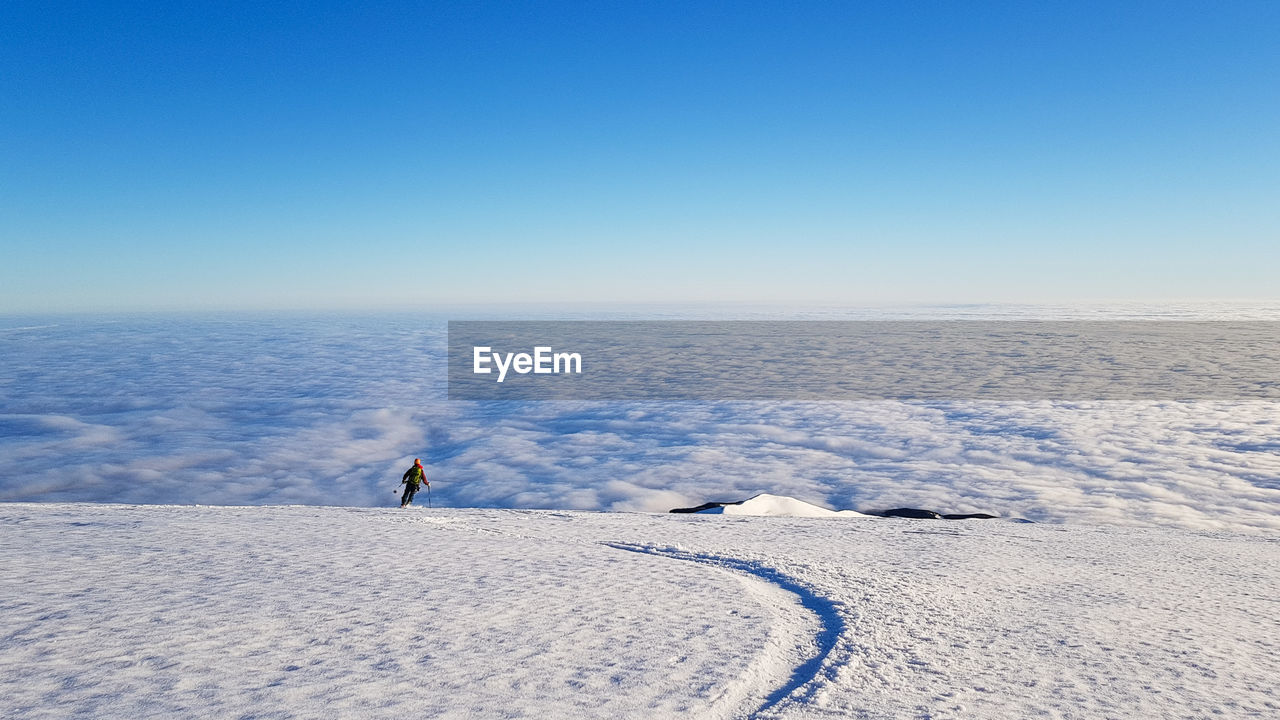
x,y
280,612
307,613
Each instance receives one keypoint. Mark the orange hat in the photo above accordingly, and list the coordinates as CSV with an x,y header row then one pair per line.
x,y
416,461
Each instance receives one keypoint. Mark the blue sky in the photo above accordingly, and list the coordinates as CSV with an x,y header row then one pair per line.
x,y
247,155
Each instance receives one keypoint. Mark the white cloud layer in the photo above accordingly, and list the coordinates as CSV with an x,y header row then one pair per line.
x,y
332,410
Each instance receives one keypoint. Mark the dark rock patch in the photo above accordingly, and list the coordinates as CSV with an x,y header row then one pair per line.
x,y
705,506
914,513
902,512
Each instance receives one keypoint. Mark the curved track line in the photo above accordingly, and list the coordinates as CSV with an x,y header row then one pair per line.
x,y
806,676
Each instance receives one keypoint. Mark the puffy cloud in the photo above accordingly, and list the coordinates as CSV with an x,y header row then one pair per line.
x,y
332,410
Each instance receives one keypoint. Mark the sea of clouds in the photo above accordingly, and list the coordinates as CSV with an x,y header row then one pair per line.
x,y
331,409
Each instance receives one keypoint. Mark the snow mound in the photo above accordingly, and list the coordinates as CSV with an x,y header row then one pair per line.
x,y
768,505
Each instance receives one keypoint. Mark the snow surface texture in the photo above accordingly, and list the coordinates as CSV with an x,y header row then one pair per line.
x,y
307,612
301,409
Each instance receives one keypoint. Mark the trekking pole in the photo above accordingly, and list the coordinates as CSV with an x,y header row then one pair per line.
x,y
428,494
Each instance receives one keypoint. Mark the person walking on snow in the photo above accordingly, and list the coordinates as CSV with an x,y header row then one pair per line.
x,y
412,477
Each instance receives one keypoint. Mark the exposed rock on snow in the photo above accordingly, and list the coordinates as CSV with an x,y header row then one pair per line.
x,y
913,513
765,504
705,506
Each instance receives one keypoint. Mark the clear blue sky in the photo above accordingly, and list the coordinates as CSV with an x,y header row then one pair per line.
x,y
361,154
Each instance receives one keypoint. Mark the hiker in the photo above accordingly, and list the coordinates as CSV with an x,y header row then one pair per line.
x,y
412,477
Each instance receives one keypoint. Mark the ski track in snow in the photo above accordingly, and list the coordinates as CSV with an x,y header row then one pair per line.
x,y
803,678
806,628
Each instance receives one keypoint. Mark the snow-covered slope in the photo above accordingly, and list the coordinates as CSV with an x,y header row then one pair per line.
x,y
765,504
302,612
